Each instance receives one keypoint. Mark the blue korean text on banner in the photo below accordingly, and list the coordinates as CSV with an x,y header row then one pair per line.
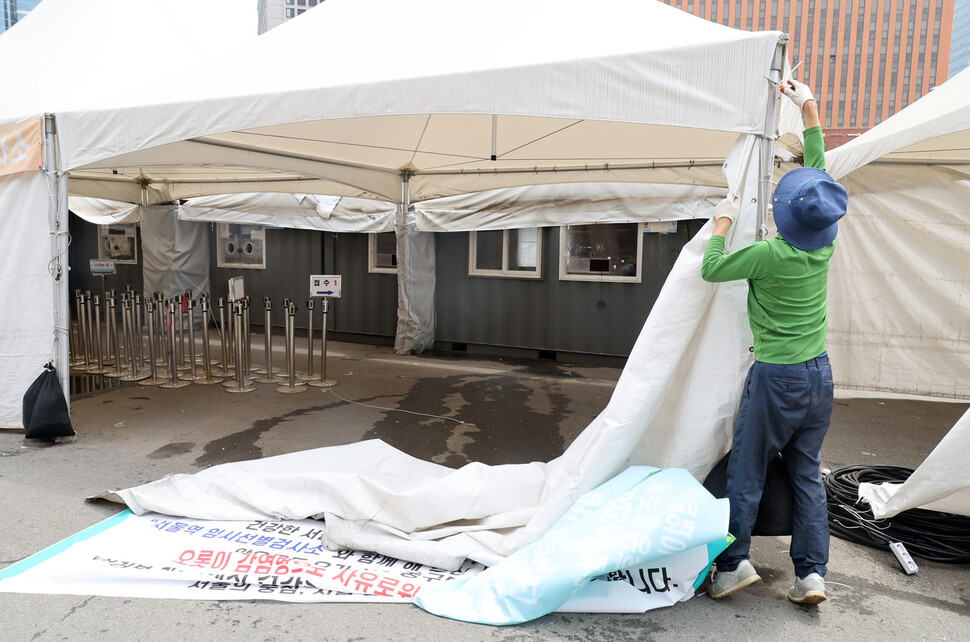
x,y
647,533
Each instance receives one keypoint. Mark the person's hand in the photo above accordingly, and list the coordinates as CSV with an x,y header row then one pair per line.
x,y
798,92
728,208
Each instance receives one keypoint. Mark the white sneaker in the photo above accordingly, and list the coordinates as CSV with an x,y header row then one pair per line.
x,y
726,583
809,590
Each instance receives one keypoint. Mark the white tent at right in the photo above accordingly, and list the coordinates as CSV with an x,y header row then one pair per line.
x,y
899,286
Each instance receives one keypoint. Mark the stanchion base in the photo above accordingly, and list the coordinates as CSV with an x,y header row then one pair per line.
x,y
175,384
287,390
156,381
206,381
322,383
189,377
96,370
309,377
273,379
244,389
137,376
114,375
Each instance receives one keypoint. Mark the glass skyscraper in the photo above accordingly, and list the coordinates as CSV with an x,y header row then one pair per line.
x,y
13,11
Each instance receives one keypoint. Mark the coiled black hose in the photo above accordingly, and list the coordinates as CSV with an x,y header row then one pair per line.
x,y
931,535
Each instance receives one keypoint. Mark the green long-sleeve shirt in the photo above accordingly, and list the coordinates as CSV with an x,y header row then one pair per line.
x,y
787,287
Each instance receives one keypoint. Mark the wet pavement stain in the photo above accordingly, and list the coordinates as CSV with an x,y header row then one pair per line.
x,y
506,428
172,450
241,446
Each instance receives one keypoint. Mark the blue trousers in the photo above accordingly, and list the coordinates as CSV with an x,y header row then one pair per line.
x,y
786,409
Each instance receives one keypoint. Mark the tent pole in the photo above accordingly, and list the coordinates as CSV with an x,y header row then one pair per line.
x,y
59,245
768,139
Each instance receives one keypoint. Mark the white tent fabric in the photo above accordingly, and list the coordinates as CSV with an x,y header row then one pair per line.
x,y
296,211
101,211
28,289
175,253
901,279
940,483
439,516
635,91
577,203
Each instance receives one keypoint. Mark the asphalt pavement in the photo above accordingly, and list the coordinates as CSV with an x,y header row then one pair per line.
x,y
512,412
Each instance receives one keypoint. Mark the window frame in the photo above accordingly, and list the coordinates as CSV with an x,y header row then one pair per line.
x,y
504,272
372,267
598,278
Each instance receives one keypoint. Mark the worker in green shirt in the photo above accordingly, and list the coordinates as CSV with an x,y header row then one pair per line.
x,y
786,404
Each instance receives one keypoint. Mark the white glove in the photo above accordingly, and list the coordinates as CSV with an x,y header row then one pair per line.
x,y
798,92
728,208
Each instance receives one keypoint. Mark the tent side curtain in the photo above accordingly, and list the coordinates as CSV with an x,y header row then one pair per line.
x,y
27,315
570,204
899,283
295,211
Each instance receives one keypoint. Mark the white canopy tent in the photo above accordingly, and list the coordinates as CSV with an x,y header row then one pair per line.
x,y
68,37
900,278
633,92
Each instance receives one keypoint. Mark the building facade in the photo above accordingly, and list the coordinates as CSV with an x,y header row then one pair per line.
x,y
273,13
960,40
865,60
11,11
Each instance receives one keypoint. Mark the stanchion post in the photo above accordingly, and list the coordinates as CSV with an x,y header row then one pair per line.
x,y
204,306
153,380
309,376
113,338
323,381
292,386
173,370
242,381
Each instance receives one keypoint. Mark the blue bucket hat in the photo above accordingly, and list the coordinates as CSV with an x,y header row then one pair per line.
x,y
808,204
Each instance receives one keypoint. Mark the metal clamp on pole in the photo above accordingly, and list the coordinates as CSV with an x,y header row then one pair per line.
x,y
172,348
323,381
154,379
293,386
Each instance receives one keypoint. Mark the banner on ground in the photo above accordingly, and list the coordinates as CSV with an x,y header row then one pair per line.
x,y
657,531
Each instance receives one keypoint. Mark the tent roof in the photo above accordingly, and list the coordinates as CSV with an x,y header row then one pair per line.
x,y
933,130
350,96
97,52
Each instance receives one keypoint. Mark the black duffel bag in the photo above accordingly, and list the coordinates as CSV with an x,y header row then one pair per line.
x,y
45,409
777,501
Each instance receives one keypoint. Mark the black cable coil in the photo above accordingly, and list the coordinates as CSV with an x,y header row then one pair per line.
x,y
935,536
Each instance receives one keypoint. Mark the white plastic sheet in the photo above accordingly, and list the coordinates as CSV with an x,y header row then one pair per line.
x,y
28,295
941,483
